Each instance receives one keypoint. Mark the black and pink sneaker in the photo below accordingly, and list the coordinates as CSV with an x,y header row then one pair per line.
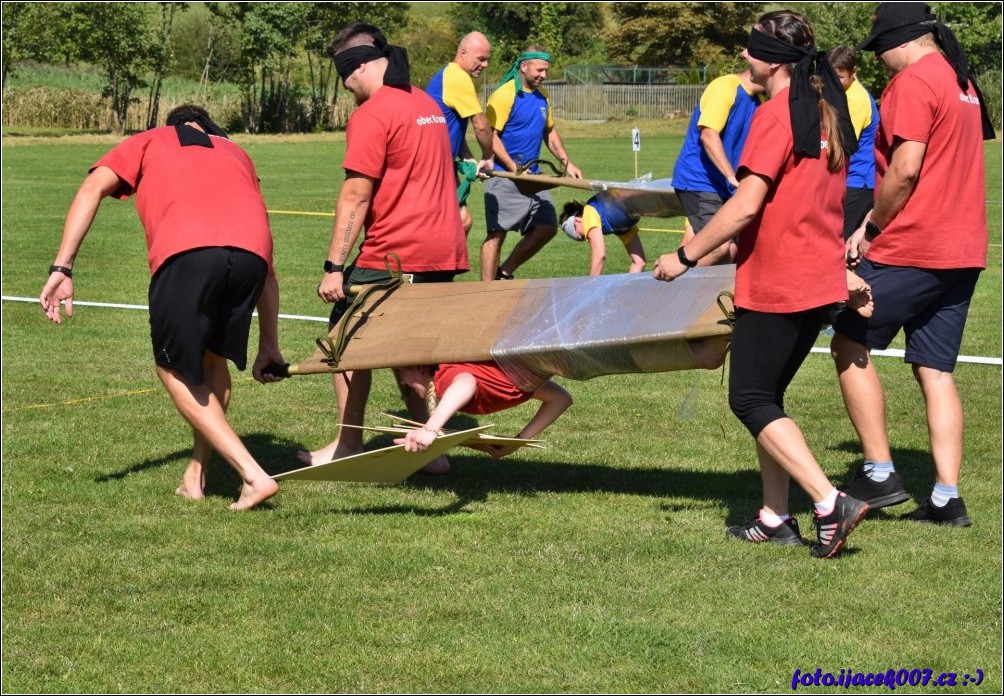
x,y
755,531
834,528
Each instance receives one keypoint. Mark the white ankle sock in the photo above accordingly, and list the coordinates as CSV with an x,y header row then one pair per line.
x,y
772,520
825,506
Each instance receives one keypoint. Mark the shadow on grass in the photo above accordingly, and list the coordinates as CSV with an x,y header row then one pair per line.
x,y
475,477
275,454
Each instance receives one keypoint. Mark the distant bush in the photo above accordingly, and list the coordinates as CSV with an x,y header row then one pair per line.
x,y
82,109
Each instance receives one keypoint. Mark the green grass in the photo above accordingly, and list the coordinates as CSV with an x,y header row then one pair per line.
x,y
596,565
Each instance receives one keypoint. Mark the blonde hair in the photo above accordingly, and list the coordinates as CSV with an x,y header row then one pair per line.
x,y
431,401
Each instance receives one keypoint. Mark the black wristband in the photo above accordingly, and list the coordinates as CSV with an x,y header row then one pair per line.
x,y
68,272
682,255
330,267
872,230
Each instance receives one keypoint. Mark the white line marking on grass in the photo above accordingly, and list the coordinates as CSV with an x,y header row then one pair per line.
x,y
897,353
112,305
890,353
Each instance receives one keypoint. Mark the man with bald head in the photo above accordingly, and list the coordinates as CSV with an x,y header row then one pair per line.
x,y
453,89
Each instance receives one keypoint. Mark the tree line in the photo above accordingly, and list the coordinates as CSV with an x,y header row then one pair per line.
x,y
275,52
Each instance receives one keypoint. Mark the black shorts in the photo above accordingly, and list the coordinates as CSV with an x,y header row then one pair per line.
x,y
857,203
203,300
699,207
371,276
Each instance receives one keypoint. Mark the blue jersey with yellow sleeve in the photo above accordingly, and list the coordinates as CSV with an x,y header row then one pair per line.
x,y
521,122
453,89
865,118
726,106
610,218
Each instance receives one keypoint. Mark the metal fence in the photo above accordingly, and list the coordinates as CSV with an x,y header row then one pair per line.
x,y
602,102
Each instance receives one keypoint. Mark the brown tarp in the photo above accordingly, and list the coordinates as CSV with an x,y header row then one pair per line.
x,y
578,327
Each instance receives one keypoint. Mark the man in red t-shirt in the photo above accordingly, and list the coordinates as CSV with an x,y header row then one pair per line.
x,y
921,249
210,254
400,186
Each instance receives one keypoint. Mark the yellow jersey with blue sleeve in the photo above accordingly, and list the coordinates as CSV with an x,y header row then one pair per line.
x,y
522,121
453,89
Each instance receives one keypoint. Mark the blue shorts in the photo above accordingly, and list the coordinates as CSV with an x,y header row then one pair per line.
x,y
930,305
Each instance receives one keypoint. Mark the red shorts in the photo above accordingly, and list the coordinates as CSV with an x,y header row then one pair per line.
x,y
495,391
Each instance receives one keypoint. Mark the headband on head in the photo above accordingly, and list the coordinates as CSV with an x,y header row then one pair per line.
x,y
568,227
513,73
192,136
398,71
895,24
802,99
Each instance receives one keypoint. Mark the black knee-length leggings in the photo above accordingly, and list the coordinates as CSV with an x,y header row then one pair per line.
x,y
767,350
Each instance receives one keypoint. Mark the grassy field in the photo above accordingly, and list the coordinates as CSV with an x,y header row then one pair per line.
x,y
599,564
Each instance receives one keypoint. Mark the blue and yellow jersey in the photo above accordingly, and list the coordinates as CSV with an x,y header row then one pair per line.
x,y
521,122
609,218
453,89
726,106
865,118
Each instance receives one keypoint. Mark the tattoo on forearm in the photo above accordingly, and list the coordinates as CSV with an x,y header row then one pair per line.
x,y
347,235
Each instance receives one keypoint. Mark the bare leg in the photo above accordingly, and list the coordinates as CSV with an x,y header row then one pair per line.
x,y
775,482
467,220
785,449
352,391
193,482
945,423
726,253
723,254
491,250
863,396
688,232
203,410
528,246
419,411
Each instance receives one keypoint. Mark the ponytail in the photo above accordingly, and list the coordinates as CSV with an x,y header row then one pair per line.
x,y
830,123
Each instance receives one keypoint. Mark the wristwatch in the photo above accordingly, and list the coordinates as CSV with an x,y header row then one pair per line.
x,y
682,255
872,230
330,267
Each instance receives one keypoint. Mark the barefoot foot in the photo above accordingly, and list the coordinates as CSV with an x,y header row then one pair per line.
x,y
859,295
256,493
191,493
326,454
